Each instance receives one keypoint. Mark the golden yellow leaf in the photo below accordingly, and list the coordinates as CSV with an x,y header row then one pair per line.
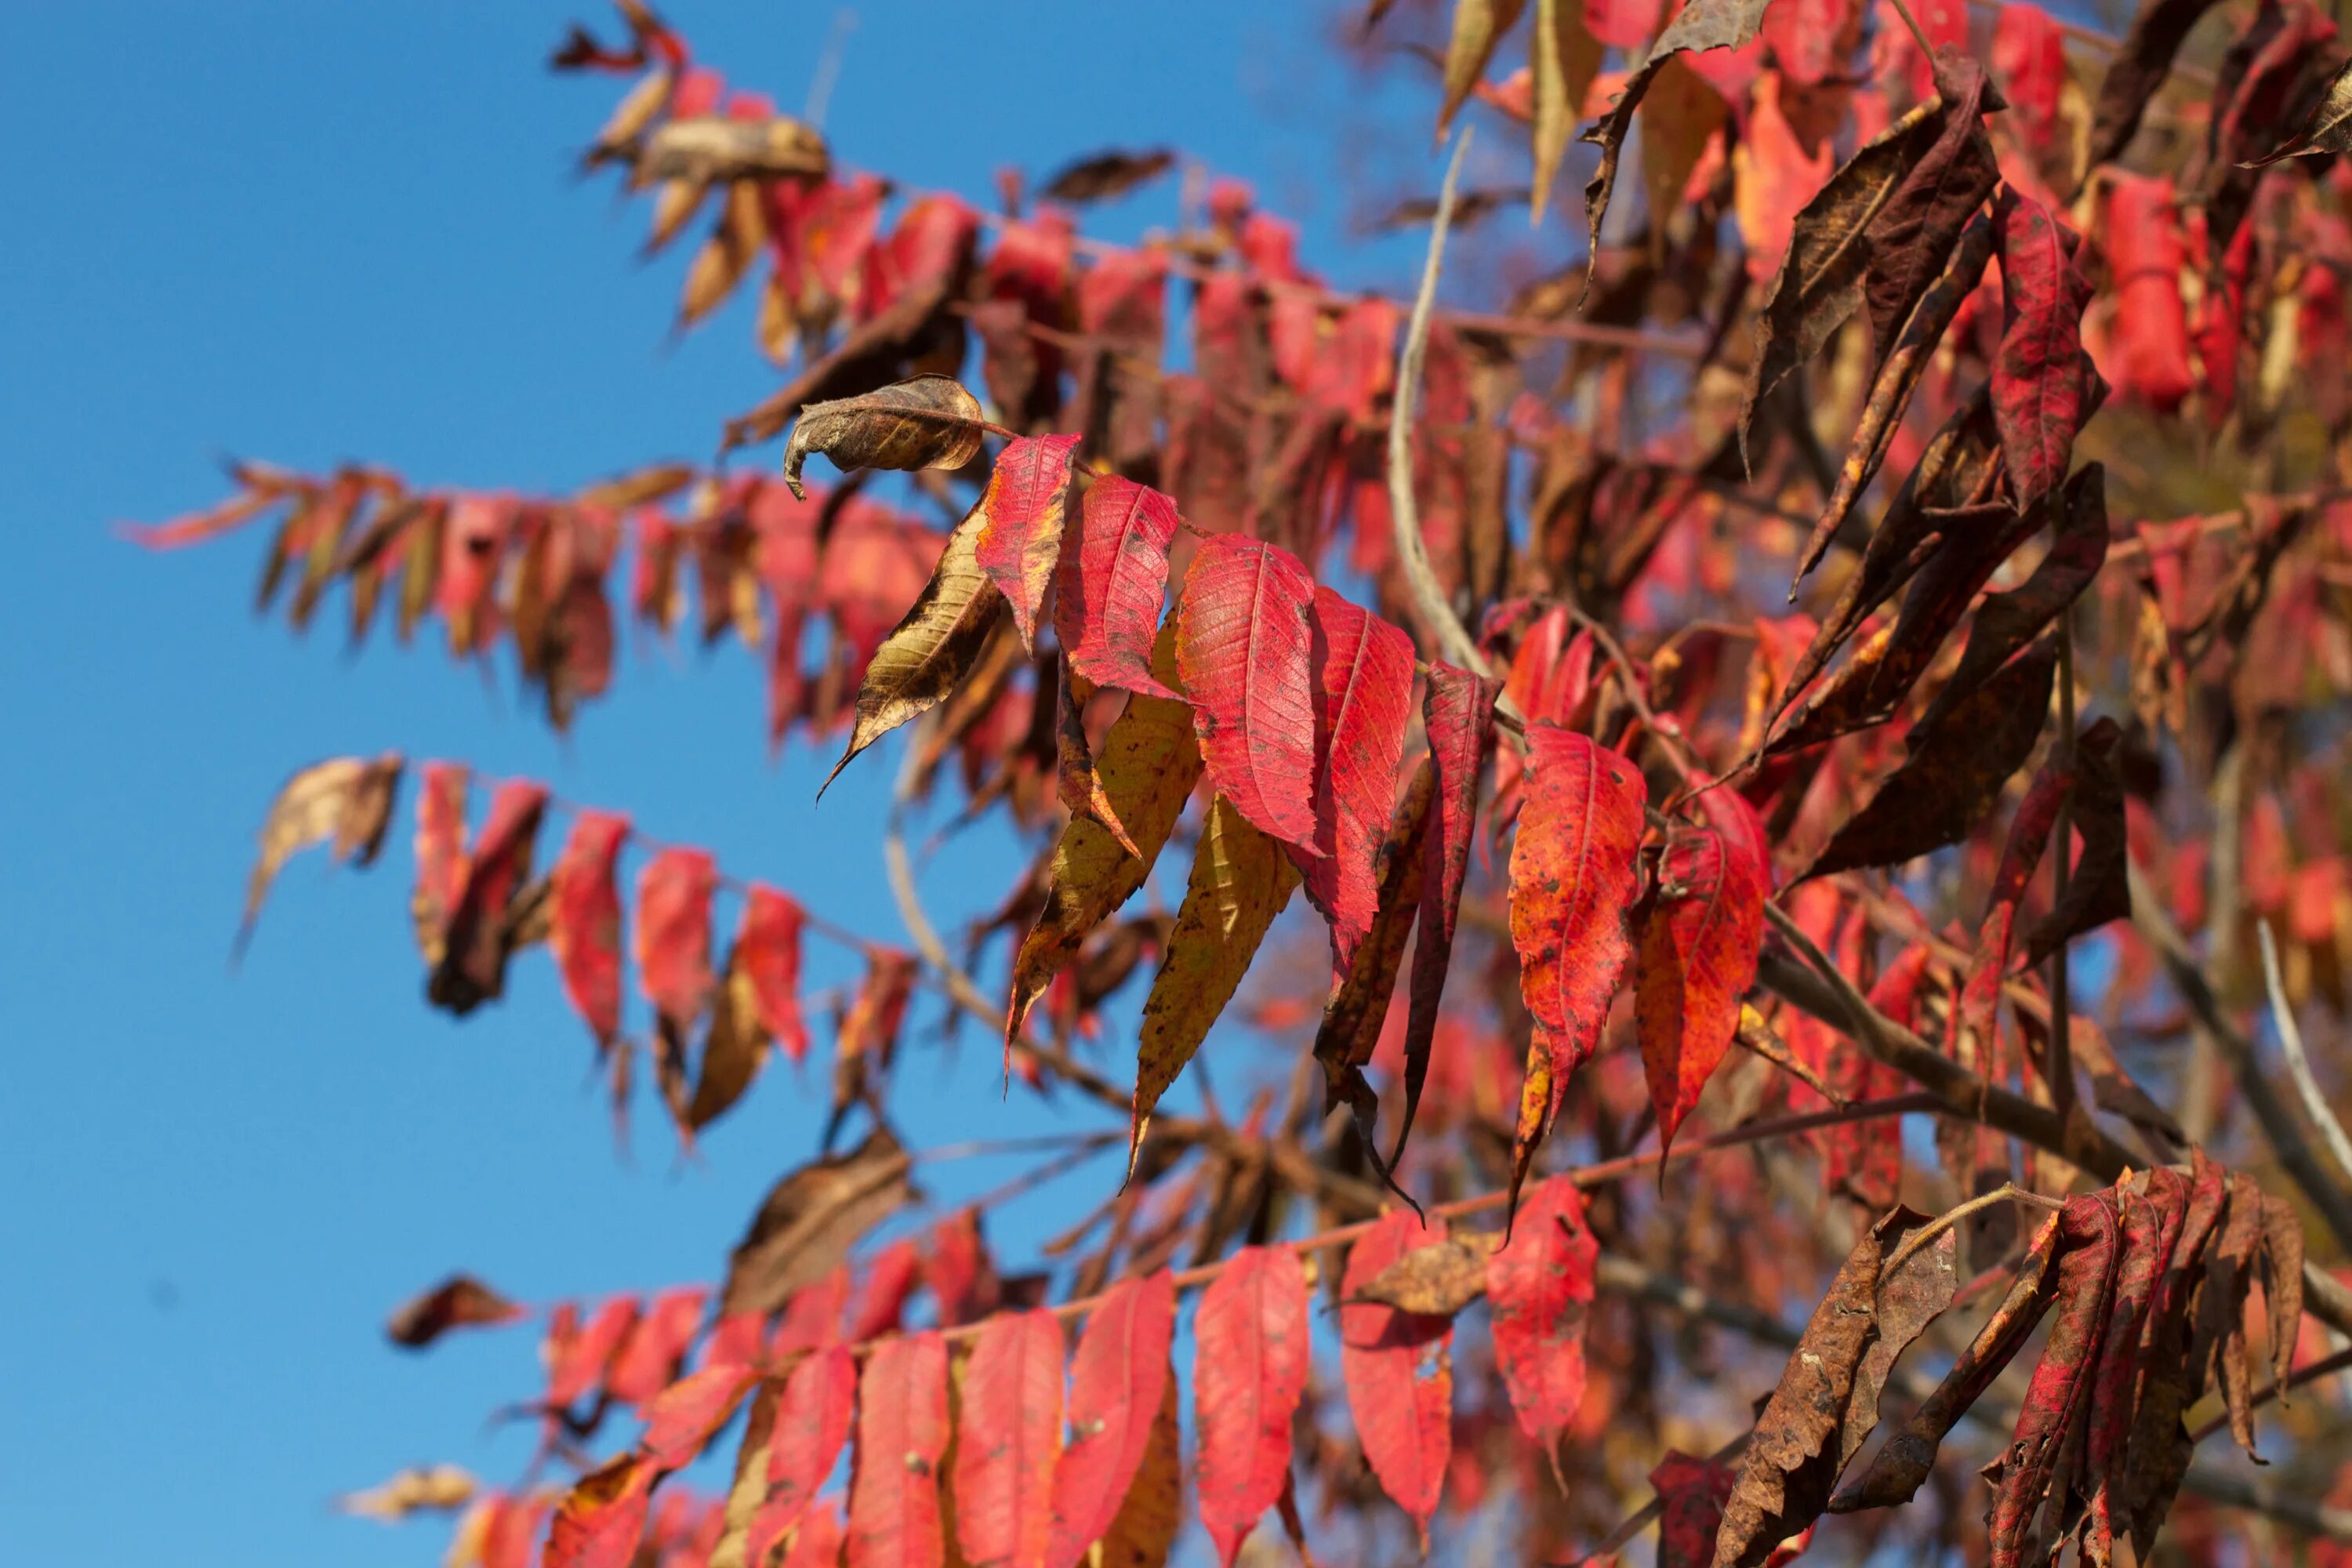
x,y
933,648
1562,59
437,1488
1241,878
1479,27
348,799
1144,769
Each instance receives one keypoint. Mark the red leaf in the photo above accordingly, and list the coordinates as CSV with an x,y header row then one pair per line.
x,y
1243,651
1572,880
602,1517
891,1278
1363,687
818,1544
2059,1397
902,1431
2148,357
1457,710
812,1416
1539,1287
689,1413
656,1346
1011,1434
1113,579
474,959
580,1359
1117,1379
1812,39
584,919
1404,1420
769,950
1247,1376
674,933
2042,380
1698,953
813,1317
1691,1495
962,1274
1623,23
440,853
1022,539
2028,56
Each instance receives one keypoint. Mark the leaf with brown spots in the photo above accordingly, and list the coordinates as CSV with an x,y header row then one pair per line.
x,y
1435,1280
345,799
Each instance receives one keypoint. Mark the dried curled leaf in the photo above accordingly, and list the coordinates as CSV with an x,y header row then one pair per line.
x,y
811,1219
1433,1281
459,1301
347,799
933,648
928,422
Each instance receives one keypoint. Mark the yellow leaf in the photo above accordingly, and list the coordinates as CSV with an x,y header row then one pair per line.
x,y
1684,113
1145,1528
932,649
1241,878
1144,769
1562,59
1479,27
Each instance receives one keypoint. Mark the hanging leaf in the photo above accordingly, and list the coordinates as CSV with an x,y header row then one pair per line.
x,y
1009,1438
2136,72
1021,527
1240,881
1457,713
1358,1007
902,1433
1573,881
2326,129
1112,579
346,799
459,1301
684,1417
1398,1373
1245,649
440,856
929,422
584,920
2099,888
1362,691
1820,284
1824,1406
480,936
1952,774
811,1219
2008,622
1478,27
652,1356
674,892
1698,953
812,1415
2057,1400
1563,59
933,648
600,1520
1435,1280
768,950
1539,1286
1144,1530
734,1049
1120,1380
2040,380
1145,768
1104,175
1911,238
1075,782
1247,1378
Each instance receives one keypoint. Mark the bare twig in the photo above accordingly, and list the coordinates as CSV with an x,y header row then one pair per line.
x,y
2059,1070
2008,1192
2327,1194
1439,624
2298,1063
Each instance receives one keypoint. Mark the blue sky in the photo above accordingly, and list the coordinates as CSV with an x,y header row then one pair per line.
x,y
312,232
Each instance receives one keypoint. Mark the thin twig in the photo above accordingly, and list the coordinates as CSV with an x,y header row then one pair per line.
x,y
2059,1071
1439,624
2269,1390
2007,1191
2298,1063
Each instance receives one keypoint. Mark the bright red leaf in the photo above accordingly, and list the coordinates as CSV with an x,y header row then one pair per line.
x,y
813,1418
1362,696
584,919
1023,537
2042,380
902,1432
1009,1434
1399,1379
1112,582
1243,649
674,933
1247,1376
1698,953
1540,1288
768,948
1117,1378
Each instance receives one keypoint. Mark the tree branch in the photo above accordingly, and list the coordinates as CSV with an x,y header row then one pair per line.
x,y
2298,1063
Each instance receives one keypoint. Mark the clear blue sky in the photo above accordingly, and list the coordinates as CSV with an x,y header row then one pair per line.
x,y
310,232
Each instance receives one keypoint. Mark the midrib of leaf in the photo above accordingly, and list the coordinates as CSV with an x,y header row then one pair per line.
x,y
1878,203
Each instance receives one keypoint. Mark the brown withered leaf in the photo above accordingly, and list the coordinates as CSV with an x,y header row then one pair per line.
x,y
1434,1281
933,648
2114,1092
1479,27
928,422
735,241
638,487
708,148
2139,68
733,1050
1103,175
2282,1284
1911,238
1890,394
1824,1403
812,1218
345,799
1951,774
2326,129
2006,622
2100,888
1819,283
1899,1467
2156,1452
437,1489
1359,1003
1082,794
1563,56
2218,1353
459,1301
